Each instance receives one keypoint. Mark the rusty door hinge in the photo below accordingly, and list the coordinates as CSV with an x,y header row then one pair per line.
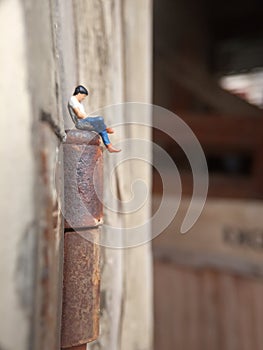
x,y
83,186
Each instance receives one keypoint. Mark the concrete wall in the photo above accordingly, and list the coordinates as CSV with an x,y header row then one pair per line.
x,y
31,253
17,164
114,60
47,47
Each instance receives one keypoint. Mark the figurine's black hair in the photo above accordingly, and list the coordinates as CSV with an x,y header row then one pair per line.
x,y
80,90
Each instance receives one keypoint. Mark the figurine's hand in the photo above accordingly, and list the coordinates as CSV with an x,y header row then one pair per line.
x,y
79,114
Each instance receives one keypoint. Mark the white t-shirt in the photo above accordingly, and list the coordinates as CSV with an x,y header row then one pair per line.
x,y
74,103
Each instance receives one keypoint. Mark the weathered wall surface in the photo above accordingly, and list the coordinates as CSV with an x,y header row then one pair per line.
x,y
114,60
17,166
31,222
47,47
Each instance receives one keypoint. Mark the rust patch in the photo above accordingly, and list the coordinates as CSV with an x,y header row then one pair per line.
x,y
81,347
80,311
82,137
83,183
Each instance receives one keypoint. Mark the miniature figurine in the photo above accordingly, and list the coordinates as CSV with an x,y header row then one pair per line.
x,y
81,121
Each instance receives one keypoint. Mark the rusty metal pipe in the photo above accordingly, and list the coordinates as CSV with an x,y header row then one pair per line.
x,y
81,347
83,216
83,180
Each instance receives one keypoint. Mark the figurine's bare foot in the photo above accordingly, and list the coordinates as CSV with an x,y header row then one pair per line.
x,y
111,149
110,131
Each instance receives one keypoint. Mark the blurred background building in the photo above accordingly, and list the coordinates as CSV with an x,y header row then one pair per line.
x,y
208,63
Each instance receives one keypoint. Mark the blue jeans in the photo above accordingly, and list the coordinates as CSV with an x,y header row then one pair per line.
x,y
94,124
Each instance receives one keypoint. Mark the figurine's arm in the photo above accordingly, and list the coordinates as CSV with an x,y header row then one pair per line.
x,y
79,114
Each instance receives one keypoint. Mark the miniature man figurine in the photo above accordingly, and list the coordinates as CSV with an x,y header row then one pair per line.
x,y
81,121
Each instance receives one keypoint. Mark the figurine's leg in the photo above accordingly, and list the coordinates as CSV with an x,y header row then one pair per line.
x,y
110,130
97,123
105,137
83,124
100,127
